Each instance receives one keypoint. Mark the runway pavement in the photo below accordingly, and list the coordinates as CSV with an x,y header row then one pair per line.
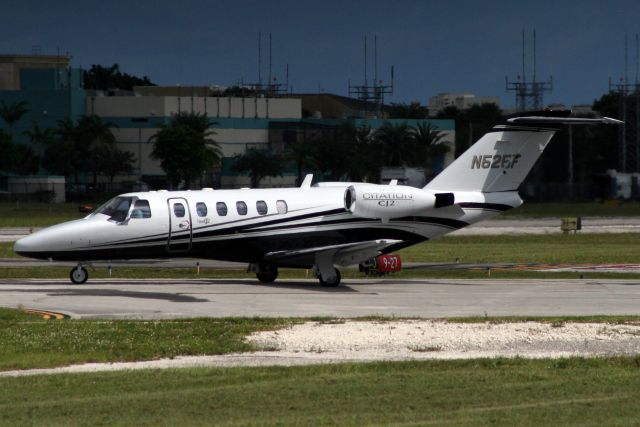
x,y
158,298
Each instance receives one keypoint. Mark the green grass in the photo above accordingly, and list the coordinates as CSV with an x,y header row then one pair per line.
x,y
28,341
543,209
567,392
23,214
6,250
475,392
44,214
555,248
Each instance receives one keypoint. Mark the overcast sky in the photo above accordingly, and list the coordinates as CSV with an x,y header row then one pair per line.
x,y
435,46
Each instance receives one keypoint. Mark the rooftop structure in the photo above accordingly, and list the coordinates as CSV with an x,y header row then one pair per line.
x,y
461,101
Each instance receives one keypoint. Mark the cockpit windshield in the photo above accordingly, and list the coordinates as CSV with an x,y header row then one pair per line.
x,y
116,209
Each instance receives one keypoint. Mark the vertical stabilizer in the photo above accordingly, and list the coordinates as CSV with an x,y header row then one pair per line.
x,y
499,161
502,158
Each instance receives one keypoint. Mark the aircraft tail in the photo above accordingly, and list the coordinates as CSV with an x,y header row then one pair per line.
x,y
502,158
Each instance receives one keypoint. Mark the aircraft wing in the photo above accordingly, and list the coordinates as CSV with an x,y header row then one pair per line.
x,y
343,254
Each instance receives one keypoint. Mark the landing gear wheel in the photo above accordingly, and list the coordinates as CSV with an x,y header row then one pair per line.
x,y
268,275
334,282
78,275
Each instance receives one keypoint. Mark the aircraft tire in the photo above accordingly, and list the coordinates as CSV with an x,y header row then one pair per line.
x,y
268,276
332,283
78,275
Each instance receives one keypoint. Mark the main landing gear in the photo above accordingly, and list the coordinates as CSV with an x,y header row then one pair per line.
x,y
331,281
266,273
328,275
79,275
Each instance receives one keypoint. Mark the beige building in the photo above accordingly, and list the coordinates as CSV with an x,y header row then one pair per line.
x,y
461,101
12,65
240,122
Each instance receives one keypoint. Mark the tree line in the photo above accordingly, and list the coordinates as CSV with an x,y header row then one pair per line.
x,y
72,148
345,152
185,147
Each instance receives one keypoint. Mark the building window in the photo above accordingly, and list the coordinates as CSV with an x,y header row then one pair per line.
x,y
178,210
261,207
241,207
201,209
282,207
221,207
141,209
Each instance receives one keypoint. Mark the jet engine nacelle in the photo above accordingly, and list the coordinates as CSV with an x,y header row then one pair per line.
x,y
387,201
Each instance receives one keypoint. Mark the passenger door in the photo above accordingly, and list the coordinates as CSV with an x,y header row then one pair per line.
x,y
180,225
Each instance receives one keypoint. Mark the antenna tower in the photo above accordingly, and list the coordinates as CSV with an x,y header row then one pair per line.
x,y
629,100
529,94
272,88
372,95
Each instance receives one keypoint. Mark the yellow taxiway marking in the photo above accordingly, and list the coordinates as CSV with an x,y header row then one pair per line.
x,y
47,315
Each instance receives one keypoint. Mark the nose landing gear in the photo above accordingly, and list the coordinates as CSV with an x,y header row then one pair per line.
x,y
78,275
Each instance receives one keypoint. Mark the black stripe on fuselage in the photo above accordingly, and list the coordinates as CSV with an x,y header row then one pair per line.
x,y
254,229
242,249
220,228
220,248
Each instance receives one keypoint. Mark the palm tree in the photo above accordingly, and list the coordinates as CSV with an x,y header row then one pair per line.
x,y
40,138
396,143
364,162
11,114
185,148
7,159
64,154
94,135
300,153
259,164
114,161
427,145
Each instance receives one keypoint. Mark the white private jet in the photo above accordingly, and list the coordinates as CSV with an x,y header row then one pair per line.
x,y
317,226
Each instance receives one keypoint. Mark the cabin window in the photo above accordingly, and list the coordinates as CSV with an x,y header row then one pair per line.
x,y
241,207
221,207
116,209
141,209
201,209
178,210
282,207
261,207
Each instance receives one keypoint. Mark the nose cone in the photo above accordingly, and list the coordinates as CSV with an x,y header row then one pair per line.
x,y
53,242
32,246
26,245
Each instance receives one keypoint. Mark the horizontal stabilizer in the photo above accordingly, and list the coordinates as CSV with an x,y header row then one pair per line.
x,y
563,120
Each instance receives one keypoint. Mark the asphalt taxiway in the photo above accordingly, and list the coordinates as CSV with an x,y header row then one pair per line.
x,y
171,298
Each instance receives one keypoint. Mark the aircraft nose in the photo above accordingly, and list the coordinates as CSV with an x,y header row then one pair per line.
x,y
28,245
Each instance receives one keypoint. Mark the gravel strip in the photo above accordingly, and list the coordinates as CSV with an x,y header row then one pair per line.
x,y
366,341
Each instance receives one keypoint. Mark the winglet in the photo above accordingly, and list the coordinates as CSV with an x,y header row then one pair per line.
x,y
307,181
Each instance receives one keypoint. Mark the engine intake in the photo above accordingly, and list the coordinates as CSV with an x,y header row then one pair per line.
x,y
387,201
